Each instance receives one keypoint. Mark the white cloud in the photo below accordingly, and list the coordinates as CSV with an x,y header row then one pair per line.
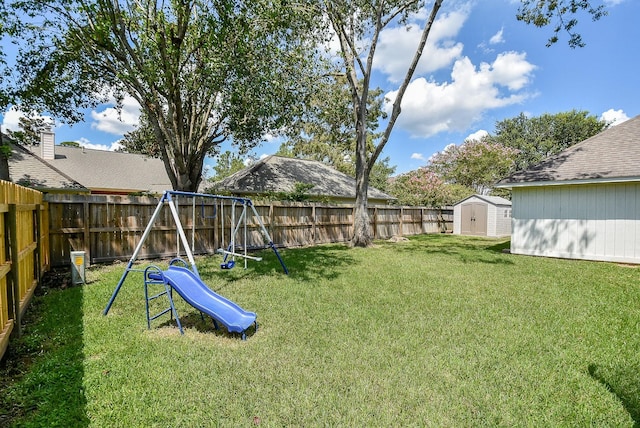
x,y
511,69
614,117
11,119
111,148
477,136
397,46
497,38
430,107
116,122
418,156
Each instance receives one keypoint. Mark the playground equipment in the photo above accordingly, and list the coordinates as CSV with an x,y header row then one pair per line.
x,y
191,288
194,298
236,222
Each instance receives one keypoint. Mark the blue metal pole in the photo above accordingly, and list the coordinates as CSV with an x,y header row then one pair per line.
x,y
137,250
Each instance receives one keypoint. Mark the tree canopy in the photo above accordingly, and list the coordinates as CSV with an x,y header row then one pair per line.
x,y
203,71
561,14
536,138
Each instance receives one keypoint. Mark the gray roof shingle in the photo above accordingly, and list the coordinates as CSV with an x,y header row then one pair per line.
x,y
28,170
612,155
280,174
107,170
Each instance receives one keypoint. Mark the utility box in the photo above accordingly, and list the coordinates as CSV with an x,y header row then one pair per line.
x,y
78,267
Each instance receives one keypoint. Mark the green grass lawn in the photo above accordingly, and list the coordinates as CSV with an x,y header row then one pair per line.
x,y
438,331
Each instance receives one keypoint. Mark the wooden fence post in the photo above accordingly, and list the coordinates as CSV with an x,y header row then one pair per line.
x,y
37,219
86,235
314,223
13,289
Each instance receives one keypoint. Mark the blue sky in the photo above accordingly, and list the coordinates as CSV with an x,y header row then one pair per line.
x,y
481,66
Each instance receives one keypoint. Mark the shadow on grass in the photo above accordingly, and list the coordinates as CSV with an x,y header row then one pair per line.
x,y
624,384
203,324
42,372
469,249
306,264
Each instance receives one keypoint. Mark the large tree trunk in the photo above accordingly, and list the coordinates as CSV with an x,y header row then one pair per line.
x,y
361,230
361,227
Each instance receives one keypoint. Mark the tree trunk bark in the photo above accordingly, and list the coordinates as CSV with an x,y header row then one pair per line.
x,y
361,227
361,232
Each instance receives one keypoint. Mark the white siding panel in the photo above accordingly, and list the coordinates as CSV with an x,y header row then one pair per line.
x,y
457,219
631,220
503,221
491,220
595,222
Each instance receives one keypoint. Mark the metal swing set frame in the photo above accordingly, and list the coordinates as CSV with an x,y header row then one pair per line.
x,y
170,198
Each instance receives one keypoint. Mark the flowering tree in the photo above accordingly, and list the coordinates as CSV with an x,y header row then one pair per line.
x,y
424,187
474,164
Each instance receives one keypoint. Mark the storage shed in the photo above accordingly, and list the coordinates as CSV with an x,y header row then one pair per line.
x,y
583,203
482,216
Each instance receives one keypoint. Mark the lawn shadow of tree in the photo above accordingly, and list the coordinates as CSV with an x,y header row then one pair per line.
x,y
304,264
467,249
624,384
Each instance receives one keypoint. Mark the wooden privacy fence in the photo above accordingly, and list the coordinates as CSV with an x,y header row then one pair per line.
x,y
24,253
109,228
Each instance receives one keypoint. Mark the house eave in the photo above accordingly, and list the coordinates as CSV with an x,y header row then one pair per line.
x,y
606,180
62,190
112,190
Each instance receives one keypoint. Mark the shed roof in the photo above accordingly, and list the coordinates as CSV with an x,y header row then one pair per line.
x,y
612,155
493,200
280,174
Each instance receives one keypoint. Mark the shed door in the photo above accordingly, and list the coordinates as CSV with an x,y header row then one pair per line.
x,y
473,219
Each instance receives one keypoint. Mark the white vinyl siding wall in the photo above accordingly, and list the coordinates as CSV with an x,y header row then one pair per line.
x,y
503,221
590,221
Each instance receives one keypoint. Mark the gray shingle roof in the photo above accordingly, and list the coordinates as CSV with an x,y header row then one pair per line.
x,y
612,155
117,171
280,174
29,170
493,200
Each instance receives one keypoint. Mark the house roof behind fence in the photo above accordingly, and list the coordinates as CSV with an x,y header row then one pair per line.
x,y
613,154
280,174
112,171
27,169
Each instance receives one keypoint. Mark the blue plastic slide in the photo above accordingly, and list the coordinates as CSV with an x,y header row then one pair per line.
x,y
191,288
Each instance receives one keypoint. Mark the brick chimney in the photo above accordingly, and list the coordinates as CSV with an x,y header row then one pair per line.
x,y
47,144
